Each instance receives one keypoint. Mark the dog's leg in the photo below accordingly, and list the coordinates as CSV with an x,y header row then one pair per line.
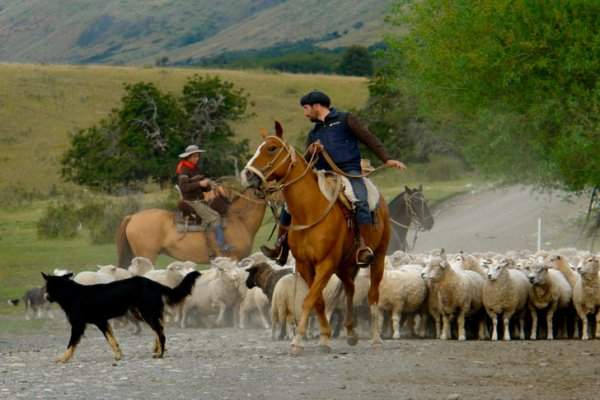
x,y
159,346
76,333
106,329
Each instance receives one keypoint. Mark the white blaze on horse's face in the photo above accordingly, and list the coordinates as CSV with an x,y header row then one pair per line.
x,y
246,173
270,161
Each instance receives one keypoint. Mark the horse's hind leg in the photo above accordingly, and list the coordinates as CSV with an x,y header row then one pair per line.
x,y
373,296
348,282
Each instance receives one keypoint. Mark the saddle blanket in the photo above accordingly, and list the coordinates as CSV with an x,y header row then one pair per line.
x,y
184,225
327,182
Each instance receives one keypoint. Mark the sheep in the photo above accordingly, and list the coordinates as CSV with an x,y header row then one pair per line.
x,y
116,272
401,291
458,292
288,297
549,290
265,277
586,294
215,294
561,264
505,291
93,277
254,301
140,266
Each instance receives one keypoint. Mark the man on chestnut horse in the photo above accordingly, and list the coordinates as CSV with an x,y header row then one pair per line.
x,y
193,186
338,133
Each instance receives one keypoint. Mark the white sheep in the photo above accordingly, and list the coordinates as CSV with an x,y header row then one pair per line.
x,y
560,263
505,292
401,291
586,294
458,292
288,296
93,278
549,290
116,272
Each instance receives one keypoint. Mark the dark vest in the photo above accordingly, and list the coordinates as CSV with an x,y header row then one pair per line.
x,y
339,141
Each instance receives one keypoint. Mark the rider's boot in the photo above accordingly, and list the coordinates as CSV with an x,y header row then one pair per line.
x,y
220,236
364,254
281,250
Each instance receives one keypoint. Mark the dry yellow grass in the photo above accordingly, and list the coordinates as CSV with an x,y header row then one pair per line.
x,y
41,104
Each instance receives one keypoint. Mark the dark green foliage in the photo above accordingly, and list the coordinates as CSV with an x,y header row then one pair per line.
x,y
102,230
518,78
210,104
356,61
298,57
59,221
142,138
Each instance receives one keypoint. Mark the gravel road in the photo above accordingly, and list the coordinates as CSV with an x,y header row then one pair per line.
x,y
230,363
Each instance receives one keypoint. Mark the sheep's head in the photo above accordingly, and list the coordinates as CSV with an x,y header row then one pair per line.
x,y
435,269
254,274
496,269
589,267
140,266
538,273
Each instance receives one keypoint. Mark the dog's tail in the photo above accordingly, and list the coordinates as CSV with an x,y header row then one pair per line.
x,y
14,302
123,247
180,292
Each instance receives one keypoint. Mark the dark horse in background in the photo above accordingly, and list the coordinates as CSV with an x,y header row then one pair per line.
x,y
409,207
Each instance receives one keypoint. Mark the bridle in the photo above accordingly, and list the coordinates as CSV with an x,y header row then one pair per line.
x,y
267,170
414,216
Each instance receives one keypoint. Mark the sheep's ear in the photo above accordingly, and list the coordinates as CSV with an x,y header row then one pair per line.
x,y
278,129
264,133
45,276
443,254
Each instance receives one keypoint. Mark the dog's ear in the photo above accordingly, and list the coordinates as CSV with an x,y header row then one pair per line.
x,y
45,276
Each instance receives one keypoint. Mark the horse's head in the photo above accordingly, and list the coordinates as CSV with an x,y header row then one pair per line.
x,y
272,161
417,206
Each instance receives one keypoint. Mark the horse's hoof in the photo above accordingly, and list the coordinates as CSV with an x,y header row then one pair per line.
x,y
326,349
352,340
296,350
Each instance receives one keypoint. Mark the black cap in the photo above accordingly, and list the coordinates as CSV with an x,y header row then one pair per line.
x,y
315,97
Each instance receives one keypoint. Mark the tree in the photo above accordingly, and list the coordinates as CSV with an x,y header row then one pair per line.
x,y
142,138
210,105
518,77
356,61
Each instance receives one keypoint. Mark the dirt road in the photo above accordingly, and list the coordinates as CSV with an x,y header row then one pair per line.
x,y
245,364
503,219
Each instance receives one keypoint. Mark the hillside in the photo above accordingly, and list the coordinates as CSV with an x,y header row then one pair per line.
x,y
136,31
40,105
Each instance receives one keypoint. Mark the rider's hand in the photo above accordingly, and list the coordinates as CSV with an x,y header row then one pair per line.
x,y
395,164
205,183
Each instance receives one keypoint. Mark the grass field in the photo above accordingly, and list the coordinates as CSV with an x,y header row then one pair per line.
x,y
40,105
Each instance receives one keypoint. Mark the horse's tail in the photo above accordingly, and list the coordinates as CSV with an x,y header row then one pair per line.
x,y
123,248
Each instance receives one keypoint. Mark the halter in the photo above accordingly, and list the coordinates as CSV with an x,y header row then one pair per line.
x,y
265,172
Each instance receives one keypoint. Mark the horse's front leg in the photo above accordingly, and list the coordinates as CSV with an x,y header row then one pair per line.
x,y
373,297
314,298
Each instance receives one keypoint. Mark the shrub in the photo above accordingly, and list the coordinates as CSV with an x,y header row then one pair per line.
x,y
60,220
104,229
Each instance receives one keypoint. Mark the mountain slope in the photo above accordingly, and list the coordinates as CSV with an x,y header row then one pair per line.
x,y
136,31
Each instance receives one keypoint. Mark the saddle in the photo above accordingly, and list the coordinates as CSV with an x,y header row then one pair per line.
x,y
327,183
186,219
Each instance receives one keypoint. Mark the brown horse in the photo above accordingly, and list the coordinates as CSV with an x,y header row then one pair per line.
x,y
151,232
319,237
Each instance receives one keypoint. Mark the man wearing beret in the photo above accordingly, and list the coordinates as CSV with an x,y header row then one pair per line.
x,y
338,133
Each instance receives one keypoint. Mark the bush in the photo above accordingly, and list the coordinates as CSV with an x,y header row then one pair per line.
x,y
59,221
103,229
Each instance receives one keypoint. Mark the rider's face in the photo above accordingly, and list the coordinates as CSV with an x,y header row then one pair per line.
x,y
194,158
310,112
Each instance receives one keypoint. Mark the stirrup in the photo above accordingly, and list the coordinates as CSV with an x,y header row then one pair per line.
x,y
369,257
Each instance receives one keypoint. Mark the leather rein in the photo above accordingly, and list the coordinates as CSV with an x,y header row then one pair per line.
x,y
291,154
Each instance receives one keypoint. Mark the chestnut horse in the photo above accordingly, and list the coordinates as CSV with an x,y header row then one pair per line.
x,y
150,232
319,237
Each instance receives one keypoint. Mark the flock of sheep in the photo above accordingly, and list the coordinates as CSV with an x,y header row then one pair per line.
x,y
430,295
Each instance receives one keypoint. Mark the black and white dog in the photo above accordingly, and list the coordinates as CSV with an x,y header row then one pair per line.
x,y
35,303
96,304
